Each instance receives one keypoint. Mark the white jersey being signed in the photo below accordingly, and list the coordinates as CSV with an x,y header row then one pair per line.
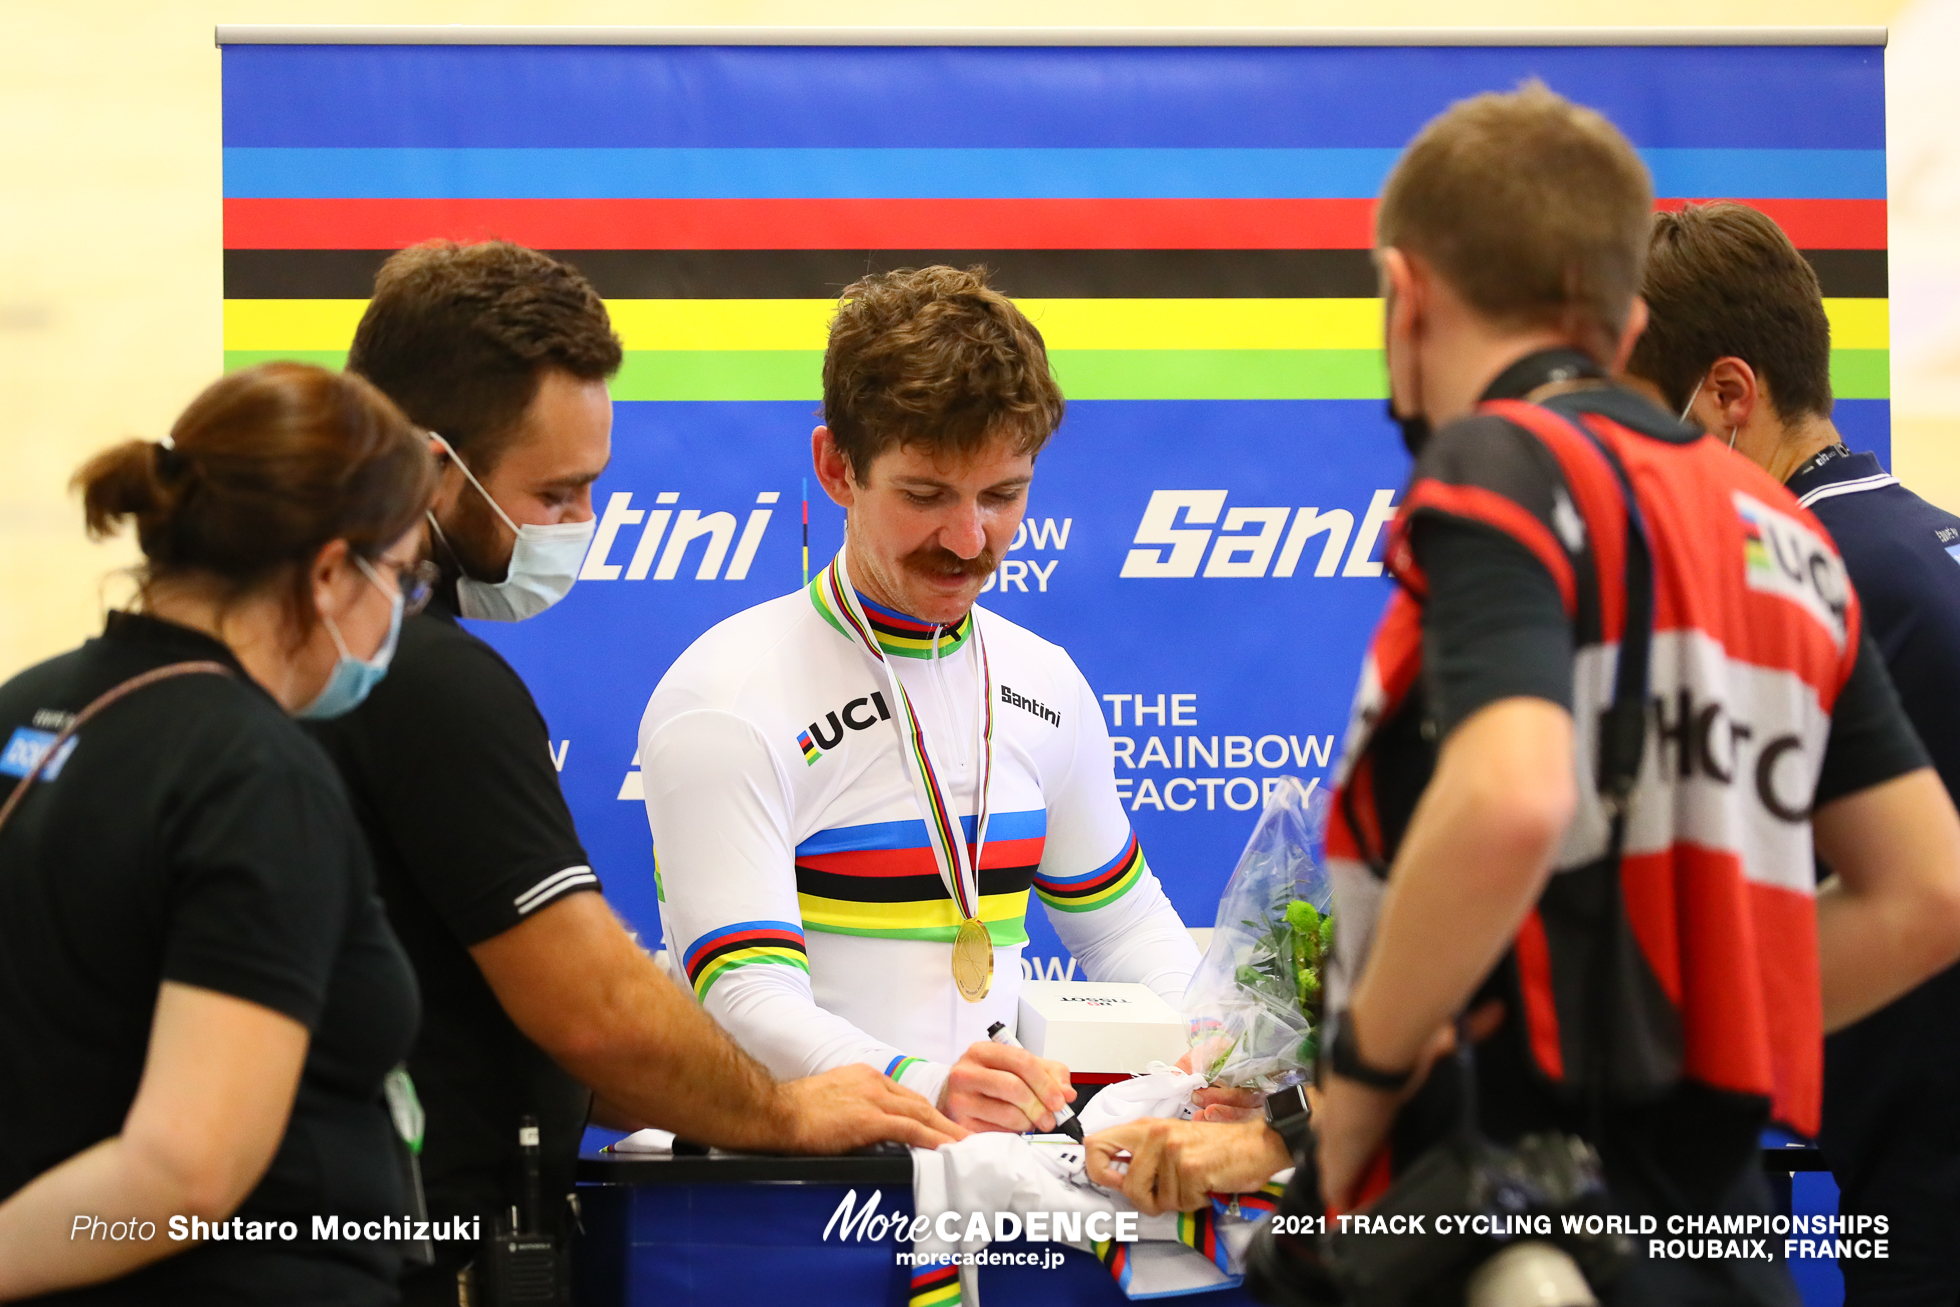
x,y
798,889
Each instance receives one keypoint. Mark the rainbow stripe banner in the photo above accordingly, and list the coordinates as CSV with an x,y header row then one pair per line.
x,y
1111,348
1190,228
1229,264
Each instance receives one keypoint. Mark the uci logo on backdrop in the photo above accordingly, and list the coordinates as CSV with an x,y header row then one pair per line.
x,y
1188,533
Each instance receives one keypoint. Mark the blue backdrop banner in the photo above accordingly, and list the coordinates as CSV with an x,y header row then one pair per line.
x,y
1189,227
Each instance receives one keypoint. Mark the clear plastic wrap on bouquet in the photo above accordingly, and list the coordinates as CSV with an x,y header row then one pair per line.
x,y
1254,1003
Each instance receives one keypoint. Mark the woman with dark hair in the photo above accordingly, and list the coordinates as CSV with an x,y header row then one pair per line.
x,y
200,997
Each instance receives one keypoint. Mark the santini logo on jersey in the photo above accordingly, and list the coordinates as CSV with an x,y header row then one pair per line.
x,y
857,715
1035,706
1783,557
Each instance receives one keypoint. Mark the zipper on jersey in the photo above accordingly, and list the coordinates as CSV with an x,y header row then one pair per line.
x,y
946,701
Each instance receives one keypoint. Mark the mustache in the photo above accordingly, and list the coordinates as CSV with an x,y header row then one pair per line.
x,y
944,562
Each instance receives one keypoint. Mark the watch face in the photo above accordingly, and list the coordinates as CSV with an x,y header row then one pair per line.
x,y
1286,1104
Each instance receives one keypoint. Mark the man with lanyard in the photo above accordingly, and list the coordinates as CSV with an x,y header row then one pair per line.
x,y
853,787
1738,342
1510,239
534,994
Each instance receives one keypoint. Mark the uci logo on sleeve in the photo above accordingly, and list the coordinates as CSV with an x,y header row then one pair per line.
x,y
1783,557
24,749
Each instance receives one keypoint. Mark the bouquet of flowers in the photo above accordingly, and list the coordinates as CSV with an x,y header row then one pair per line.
x,y
1254,1005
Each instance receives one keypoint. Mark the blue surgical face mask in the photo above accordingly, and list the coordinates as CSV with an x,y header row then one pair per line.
x,y
543,563
352,678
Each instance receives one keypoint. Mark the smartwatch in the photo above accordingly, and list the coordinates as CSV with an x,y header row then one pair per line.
x,y
1344,1060
1287,1116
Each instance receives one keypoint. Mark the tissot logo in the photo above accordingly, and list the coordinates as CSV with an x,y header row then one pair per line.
x,y
1248,538
857,715
1014,699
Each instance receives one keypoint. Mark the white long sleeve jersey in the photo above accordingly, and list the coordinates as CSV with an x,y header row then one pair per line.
x,y
797,886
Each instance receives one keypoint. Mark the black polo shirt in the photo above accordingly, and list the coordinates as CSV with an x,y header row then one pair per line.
x,y
195,834
1890,1081
450,768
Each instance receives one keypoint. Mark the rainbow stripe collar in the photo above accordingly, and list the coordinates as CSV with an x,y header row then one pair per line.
x,y
898,635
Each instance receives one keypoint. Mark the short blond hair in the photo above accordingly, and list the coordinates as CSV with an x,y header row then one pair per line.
x,y
1534,209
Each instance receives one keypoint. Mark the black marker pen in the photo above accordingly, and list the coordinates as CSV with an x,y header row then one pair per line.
x,y
1065,1121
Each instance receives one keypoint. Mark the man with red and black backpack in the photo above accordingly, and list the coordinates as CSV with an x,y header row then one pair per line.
x,y
1625,926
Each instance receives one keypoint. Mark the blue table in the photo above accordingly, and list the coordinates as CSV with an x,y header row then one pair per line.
x,y
711,1231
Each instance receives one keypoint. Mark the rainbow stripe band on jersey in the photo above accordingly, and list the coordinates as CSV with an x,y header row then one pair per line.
x,y
898,635
744,944
1198,1230
1094,889
898,1066
935,1286
1264,1199
881,880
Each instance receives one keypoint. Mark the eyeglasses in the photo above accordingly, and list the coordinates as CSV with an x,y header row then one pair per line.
x,y
417,581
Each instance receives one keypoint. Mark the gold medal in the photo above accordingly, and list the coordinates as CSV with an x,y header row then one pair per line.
x,y
973,960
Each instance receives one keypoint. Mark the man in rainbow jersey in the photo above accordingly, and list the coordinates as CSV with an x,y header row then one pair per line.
x,y
852,788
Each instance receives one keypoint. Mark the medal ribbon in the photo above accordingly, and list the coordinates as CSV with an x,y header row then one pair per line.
x,y
958,862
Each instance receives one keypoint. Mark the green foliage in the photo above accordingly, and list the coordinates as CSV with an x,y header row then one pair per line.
x,y
1287,958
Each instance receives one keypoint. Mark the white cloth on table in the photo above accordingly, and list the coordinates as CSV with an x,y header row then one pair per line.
x,y
994,1172
1162,1091
655,1143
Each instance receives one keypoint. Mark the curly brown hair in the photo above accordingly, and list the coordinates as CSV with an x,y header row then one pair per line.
x,y
935,357
460,335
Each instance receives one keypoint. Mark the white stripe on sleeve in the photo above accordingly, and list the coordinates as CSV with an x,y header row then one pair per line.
x,y
551,887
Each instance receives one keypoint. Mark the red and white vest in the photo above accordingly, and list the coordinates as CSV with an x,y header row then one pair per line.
x,y
1756,629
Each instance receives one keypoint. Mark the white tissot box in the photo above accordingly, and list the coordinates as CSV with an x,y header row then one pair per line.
x,y
1099,1027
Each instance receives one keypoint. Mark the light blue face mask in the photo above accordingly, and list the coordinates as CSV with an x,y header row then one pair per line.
x,y
352,678
543,563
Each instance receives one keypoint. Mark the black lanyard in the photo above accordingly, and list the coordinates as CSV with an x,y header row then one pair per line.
x,y
1829,454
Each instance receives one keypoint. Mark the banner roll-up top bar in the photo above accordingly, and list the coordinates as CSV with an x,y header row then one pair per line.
x,y
300,34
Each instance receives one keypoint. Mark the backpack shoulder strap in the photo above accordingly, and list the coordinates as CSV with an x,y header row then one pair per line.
x,y
1622,735
95,706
